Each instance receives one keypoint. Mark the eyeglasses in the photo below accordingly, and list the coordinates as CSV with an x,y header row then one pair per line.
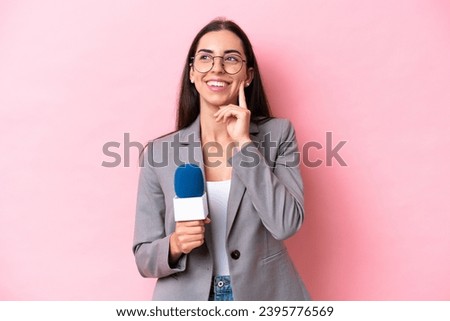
x,y
231,63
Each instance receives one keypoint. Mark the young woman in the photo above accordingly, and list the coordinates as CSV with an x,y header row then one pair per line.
x,y
251,167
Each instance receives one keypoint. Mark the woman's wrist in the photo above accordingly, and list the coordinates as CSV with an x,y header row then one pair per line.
x,y
174,251
242,142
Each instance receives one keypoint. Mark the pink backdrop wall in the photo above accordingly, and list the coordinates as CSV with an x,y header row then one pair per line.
x,y
75,75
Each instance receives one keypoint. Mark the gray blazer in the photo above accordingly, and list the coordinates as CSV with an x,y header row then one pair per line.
x,y
265,207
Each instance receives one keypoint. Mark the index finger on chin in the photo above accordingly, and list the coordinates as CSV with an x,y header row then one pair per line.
x,y
242,101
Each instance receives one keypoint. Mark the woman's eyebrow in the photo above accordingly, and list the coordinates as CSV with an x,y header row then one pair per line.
x,y
205,50
233,51
225,52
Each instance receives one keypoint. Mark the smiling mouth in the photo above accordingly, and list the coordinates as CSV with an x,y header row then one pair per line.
x,y
214,83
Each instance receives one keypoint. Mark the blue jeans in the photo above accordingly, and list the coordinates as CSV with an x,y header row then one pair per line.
x,y
221,289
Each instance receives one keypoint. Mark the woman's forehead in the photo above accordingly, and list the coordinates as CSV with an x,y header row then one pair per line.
x,y
220,41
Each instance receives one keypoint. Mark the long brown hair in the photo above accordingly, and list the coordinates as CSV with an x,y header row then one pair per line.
x,y
189,102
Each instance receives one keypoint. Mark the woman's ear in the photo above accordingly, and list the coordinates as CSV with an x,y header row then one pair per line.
x,y
249,79
191,73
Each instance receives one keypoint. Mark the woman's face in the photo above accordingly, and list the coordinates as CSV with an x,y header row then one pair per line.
x,y
216,87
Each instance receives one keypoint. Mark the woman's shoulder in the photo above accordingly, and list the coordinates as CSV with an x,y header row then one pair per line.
x,y
157,142
166,137
184,133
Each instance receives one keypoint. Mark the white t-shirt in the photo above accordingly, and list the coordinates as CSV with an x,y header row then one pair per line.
x,y
218,192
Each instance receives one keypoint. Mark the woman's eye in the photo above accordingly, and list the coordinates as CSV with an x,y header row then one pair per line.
x,y
205,57
231,59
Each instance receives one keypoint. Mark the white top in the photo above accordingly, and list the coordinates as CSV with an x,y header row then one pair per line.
x,y
218,193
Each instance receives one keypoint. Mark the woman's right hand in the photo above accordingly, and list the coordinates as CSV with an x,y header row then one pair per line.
x,y
188,235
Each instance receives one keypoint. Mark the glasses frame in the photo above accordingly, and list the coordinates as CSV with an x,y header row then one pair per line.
x,y
213,62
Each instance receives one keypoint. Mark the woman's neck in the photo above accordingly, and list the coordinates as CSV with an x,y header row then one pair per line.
x,y
211,130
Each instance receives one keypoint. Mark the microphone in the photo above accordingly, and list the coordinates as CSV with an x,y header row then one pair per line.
x,y
190,202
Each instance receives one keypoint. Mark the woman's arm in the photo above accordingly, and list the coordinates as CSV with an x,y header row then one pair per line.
x,y
160,250
151,244
276,193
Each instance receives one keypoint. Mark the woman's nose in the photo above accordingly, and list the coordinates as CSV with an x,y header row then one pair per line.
x,y
218,65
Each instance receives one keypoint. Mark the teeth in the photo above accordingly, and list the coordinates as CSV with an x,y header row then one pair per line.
x,y
216,83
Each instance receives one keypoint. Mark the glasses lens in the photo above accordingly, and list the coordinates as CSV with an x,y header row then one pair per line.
x,y
232,63
203,62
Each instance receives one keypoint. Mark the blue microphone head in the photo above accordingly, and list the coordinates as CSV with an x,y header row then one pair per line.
x,y
189,181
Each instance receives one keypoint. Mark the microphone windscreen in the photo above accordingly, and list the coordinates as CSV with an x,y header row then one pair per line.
x,y
188,181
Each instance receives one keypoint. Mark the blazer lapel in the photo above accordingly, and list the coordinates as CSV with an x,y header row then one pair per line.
x,y
237,187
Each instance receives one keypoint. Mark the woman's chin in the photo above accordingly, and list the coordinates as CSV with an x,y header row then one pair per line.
x,y
217,102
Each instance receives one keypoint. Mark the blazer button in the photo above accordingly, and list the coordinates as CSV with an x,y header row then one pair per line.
x,y
235,255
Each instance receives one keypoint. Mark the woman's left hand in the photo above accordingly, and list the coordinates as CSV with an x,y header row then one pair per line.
x,y
237,119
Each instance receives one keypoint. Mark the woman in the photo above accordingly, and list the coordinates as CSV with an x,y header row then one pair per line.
x,y
251,167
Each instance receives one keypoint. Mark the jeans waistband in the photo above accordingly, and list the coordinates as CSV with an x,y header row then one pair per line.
x,y
221,288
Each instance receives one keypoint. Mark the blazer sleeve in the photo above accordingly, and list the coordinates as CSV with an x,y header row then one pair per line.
x,y
275,190
151,242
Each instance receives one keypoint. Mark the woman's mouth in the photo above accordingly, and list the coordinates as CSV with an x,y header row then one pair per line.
x,y
215,83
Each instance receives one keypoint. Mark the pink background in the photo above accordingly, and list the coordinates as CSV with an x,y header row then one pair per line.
x,y
75,75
